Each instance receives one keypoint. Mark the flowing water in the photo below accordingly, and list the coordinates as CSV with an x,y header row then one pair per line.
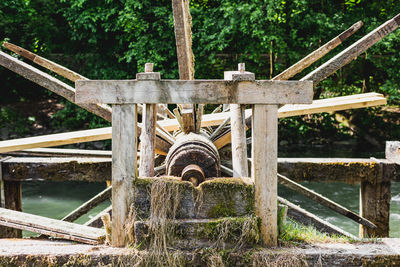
x,y
55,199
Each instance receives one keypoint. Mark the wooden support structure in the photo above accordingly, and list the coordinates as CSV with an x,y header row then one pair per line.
x,y
238,126
124,168
318,106
60,152
375,199
149,121
183,37
56,86
306,218
10,198
392,151
264,169
322,105
88,205
352,51
319,53
267,95
207,91
60,70
301,215
51,227
325,201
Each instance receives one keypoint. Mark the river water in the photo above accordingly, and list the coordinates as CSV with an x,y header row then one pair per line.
x,y
55,199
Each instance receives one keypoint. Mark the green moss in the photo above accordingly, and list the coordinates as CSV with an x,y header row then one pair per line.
x,y
222,209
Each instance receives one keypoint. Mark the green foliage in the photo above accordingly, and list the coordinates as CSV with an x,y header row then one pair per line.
x,y
10,119
113,39
294,233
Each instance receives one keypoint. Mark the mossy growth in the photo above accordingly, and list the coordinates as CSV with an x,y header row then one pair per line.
x,y
293,233
222,209
240,231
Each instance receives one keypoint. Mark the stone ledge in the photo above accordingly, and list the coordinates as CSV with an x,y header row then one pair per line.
x,y
27,252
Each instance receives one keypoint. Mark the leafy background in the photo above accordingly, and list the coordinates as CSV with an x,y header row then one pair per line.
x,y
113,39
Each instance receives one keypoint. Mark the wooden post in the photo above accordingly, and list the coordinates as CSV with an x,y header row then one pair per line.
x,y
183,37
124,168
375,203
264,169
392,151
238,126
149,120
10,198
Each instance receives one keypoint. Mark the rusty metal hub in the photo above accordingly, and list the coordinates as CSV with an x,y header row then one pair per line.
x,y
193,157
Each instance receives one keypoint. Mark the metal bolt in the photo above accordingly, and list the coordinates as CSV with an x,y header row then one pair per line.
x,y
148,67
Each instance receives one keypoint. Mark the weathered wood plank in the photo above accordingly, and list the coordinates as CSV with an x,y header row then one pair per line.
x,y
124,168
96,221
61,152
64,90
392,151
197,92
318,106
99,170
55,139
324,201
70,138
375,196
147,138
183,37
306,218
149,121
50,65
51,227
57,169
319,53
49,82
238,127
264,169
352,51
88,205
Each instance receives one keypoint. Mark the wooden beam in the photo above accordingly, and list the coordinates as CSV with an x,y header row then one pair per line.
x,y
55,139
318,106
99,169
306,218
197,91
49,82
264,169
324,201
50,65
65,139
88,205
61,152
183,37
301,215
124,168
238,127
64,90
57,169
350,53
96,221
51,227
317,54
149,121
375,197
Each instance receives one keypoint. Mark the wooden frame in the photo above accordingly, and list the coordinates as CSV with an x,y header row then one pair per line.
x,y
126,94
